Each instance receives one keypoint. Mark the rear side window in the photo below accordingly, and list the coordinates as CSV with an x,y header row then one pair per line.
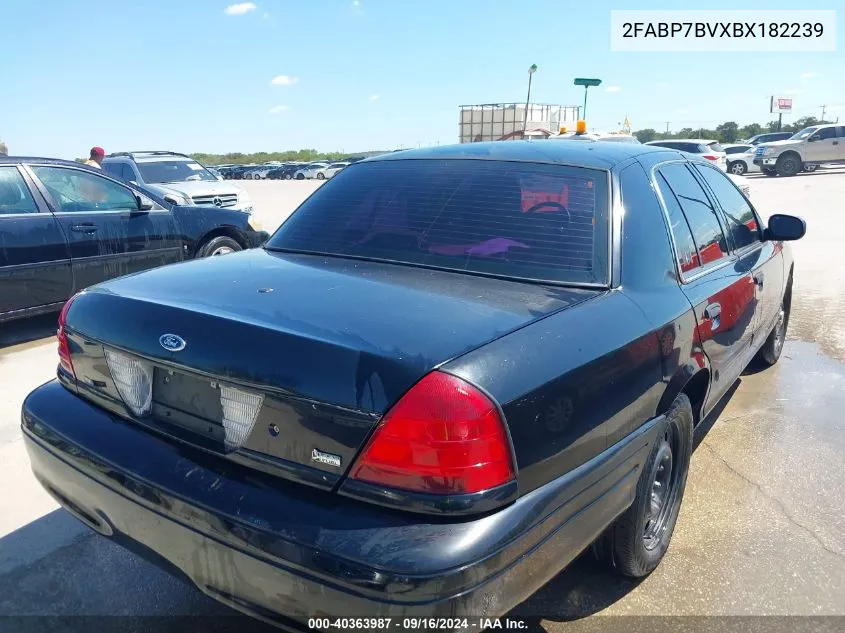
x,y
741,221
14,194
700,214
714,147
684,245
739,149
521,220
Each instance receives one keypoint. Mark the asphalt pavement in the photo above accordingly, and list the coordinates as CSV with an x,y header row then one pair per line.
x,y
761,530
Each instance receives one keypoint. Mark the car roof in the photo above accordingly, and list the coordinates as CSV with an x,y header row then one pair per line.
x,y
7,160
594,155
683,140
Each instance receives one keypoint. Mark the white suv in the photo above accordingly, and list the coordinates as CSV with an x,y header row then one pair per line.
x,y
177,178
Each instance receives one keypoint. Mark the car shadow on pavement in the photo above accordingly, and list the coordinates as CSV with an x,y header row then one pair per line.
x,y
27,330
589,585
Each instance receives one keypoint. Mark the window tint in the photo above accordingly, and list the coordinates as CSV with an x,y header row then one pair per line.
x,y
741,222
841,131
113,169
127,173
15,196
827,132
76,190
684,245
701,217
533,221
739,149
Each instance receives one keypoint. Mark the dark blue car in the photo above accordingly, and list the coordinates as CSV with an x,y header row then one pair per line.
x,y
448,373
65,226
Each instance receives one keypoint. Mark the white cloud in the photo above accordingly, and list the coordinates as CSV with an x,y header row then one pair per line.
x,y
240,9
375,97
284,80
278,109
613,89
809,75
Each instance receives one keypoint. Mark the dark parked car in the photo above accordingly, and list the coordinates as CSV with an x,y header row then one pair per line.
x,y
449,372
65,226
285,172
770,137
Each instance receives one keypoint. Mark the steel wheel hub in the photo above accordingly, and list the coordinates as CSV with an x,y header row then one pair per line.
x,y
661,490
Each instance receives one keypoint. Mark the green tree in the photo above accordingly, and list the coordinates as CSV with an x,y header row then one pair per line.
x,y
646,135
727,131
752,129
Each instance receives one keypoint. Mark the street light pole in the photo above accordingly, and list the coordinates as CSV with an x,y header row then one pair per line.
x,y
531,70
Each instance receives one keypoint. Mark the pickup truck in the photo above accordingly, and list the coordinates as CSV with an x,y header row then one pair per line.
x,y
805,150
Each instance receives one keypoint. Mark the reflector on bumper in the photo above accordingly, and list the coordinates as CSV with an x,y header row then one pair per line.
x,y
134,381
240,410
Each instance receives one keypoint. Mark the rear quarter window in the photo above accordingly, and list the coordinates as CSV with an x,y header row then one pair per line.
x,y
522,220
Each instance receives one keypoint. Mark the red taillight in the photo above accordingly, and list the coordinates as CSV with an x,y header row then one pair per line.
x,y
711,157
443,436
64,347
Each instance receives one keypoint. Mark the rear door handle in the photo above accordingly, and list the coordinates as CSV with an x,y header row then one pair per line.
x,y
758,279
712,311
84,228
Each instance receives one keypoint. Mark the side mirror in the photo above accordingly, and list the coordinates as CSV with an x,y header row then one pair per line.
x,y
143,204
133,182
814,138
785,228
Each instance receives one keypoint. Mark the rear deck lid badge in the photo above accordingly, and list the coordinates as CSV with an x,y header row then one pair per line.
x,y
325,458
172,342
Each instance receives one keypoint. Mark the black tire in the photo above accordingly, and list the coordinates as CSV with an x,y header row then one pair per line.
x,y
220,245
769,354
321,175
737,167
637,541
288,176
300,177
788,165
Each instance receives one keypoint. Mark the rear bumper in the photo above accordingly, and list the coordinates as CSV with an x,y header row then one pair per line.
x,y
286,552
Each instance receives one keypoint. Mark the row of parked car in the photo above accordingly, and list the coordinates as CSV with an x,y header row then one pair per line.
x,y
320,170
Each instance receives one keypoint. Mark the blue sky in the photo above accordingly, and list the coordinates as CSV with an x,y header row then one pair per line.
x,y
353,75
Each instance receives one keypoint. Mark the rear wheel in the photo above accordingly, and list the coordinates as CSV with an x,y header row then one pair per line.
x,y
788,165
321,175
737,167
772,348
220,245
638,540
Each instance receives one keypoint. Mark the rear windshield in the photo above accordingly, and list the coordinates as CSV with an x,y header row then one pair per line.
x,y
522,220
715,147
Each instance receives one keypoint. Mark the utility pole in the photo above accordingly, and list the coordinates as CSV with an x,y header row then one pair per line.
x,y
824,107
667,127
531,70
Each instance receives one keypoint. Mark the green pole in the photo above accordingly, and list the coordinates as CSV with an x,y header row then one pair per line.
x,y
585,103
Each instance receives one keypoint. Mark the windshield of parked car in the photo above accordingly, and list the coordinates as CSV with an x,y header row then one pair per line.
x,y
807,131
521,220
173,171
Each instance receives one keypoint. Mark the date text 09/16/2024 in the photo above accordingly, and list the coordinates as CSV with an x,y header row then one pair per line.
x,y
414,624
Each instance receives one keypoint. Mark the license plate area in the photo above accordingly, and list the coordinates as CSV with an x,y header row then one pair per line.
x,y
198,397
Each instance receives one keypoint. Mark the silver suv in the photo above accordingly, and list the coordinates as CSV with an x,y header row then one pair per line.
x,y
177,178
804,150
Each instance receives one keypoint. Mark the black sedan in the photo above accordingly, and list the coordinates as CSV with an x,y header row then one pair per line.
x,y
65,226
285,172
448,373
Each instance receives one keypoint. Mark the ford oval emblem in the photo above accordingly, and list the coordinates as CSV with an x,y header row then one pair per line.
x,y
172,342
